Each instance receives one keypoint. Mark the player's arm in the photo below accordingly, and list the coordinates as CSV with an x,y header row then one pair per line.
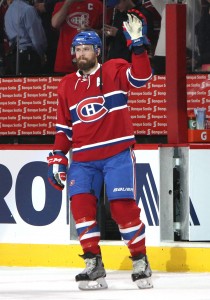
x,y
59,17
57,160
135,30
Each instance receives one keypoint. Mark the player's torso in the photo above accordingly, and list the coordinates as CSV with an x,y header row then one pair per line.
x,y
95,90
98,113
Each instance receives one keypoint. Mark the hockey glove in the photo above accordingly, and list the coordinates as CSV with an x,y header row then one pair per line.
x,y
57,163
135,29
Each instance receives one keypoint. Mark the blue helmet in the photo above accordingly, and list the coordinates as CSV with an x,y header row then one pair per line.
x,y
86,38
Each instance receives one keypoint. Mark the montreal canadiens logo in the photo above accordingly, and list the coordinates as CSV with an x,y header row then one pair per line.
x,y
91,109
78,19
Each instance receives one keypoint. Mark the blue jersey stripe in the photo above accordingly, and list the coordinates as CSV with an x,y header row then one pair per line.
x,y
66,130
112,101
137,82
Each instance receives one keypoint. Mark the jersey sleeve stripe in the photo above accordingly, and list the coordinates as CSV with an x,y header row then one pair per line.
x,y
66,130
137,82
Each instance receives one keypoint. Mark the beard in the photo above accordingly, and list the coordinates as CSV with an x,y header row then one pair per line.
x,y
84,64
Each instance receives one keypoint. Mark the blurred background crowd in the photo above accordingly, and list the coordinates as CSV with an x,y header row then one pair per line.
x,y
36,35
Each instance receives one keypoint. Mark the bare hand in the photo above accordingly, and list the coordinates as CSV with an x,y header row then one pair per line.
x,y
110,30
40,7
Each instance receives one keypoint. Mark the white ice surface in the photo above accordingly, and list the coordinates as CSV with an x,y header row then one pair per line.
x,y
58,283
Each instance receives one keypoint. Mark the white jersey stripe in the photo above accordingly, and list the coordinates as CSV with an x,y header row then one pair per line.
x,y
123,138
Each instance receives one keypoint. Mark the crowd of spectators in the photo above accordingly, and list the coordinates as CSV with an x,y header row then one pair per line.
x,y
35,35
202,30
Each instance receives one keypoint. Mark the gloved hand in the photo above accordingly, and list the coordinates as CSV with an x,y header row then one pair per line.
x,y
135,29
57,163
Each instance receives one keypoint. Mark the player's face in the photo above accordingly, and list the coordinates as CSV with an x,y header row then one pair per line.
x,y
86,57
123,5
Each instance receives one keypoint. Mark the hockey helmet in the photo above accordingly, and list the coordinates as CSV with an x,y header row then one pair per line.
x,y
86,38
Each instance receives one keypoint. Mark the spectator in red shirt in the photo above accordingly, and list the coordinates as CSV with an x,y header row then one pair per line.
x,y
70,16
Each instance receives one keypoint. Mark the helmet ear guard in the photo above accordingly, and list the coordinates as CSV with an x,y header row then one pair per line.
x,y
87,38
98,51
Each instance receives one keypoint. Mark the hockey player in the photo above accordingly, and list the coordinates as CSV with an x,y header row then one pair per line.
x,y
93,121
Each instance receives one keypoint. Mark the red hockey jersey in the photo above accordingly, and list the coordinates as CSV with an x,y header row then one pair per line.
x,y
93,117
87,13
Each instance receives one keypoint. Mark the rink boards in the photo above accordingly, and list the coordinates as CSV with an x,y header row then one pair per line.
x,y
35,221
